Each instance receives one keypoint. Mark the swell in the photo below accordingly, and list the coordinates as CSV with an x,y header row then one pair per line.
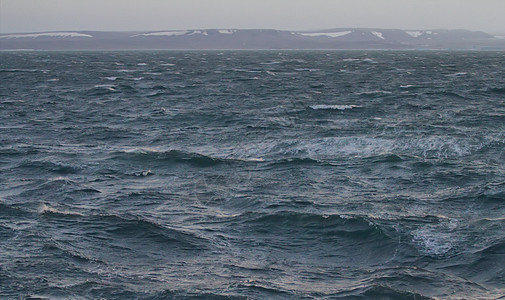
x,y
335,160
496,90
381,291
18,151
47,166
168,294
318,236
65,252
108,89
396,147
128,229
309,220
11,211
174,157
139,229
6,232
59,186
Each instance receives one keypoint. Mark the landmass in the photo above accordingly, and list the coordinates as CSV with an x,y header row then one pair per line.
x,y
252,39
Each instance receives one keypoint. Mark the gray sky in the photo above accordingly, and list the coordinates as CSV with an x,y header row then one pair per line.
x,y
50,15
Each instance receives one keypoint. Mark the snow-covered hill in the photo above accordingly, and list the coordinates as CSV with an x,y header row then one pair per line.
x,y
340,38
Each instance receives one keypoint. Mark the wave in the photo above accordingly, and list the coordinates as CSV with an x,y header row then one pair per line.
x,y
404,283
326,150
20,150
267,290
102,89
434,241
374,93
314,226
158,94
67,251
497,90
141,231
48,166
495,249
179,156
105,89
45,209
127,229
322,151
9,210
171,156
58,184
6,232
381,291
168,294
23,70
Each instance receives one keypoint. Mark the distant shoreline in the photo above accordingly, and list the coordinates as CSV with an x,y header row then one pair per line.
x,y
254,39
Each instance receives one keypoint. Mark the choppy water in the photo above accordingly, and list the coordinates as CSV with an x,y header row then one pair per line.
x,y
261,175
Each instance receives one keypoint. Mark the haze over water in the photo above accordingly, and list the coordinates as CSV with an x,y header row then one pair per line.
x,y
261,175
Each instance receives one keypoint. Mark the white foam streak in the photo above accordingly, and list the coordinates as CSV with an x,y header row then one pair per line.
x,y
433,240
337,107
44,209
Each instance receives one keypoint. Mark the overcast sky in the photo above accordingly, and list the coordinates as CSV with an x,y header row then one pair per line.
x,y
49,15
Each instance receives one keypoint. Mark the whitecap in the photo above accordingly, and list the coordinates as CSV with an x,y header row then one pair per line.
x,y
433,241
143,173
109,87
254,159
456,74
45,209
374,92
337,107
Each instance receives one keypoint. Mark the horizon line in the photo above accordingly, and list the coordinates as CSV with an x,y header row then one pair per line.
x,y
229,28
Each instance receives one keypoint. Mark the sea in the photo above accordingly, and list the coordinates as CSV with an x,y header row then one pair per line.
x,y
252,175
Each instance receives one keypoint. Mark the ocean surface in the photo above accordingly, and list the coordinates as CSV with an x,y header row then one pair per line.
x,y
252,175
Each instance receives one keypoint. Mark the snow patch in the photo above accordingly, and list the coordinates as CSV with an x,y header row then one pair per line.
x,y
414,34
328,34
203,32
163,33
378,34
46,34
227,31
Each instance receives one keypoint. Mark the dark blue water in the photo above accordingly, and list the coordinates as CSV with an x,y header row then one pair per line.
x,y
258,175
